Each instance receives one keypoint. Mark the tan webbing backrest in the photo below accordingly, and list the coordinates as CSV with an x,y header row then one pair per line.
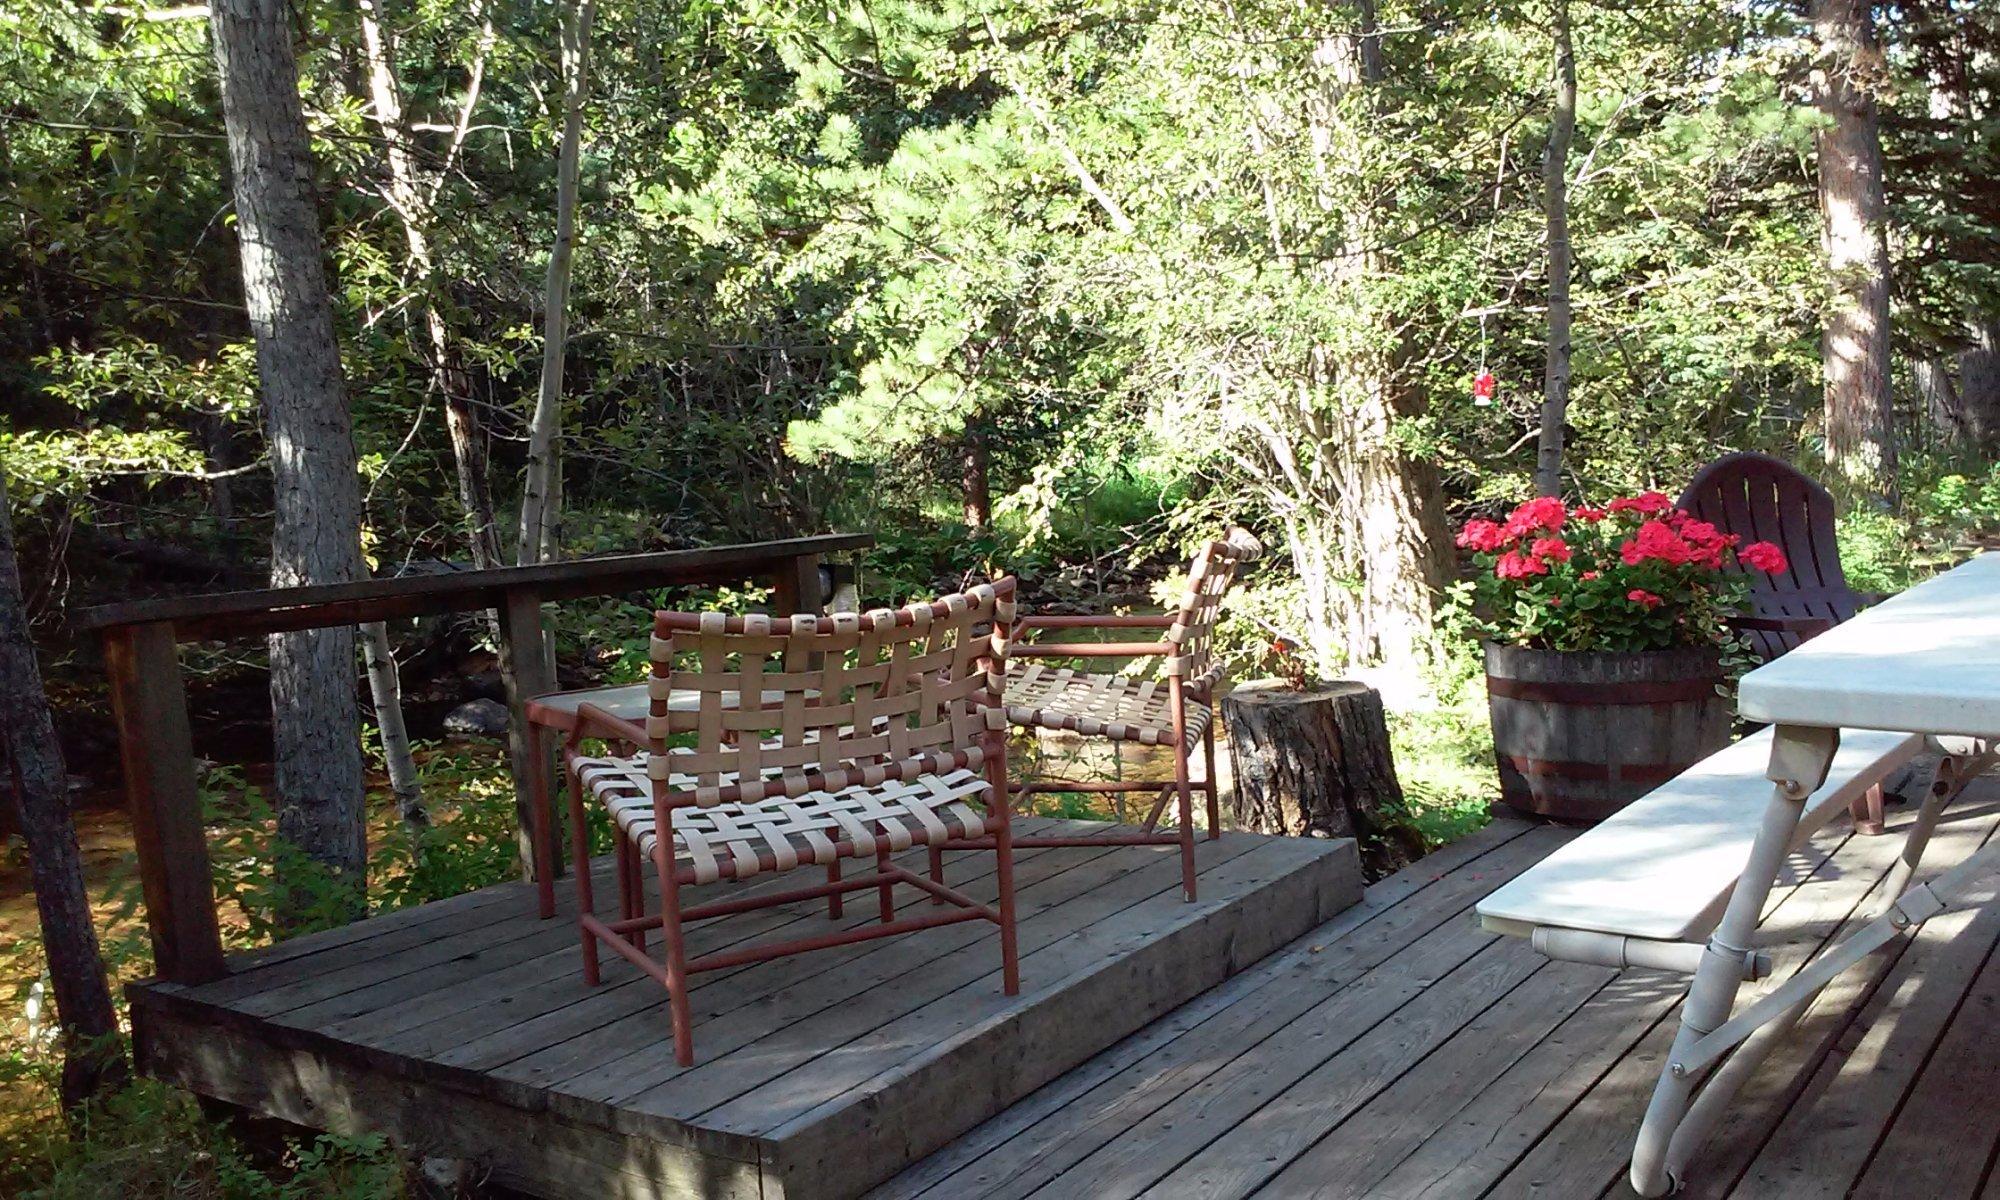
x,y
1193,630
786,705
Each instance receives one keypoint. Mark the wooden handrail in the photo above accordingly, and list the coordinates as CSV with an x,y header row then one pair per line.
x,y
319,606
141,655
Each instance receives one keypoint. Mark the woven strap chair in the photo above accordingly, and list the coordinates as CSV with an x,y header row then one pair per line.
x,y
778,743
1764,499
1175,712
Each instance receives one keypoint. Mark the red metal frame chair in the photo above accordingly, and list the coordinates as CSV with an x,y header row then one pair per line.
x,y
1764,499
1175,713
863,735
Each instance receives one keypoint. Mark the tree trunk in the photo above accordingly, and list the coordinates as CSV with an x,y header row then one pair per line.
x,y
1394,542
93,1056
1860,434
1316,763
215,452
386,690
1389,504
538,493
316,534
412,203
1940,396
1979,386
1555,196
974,487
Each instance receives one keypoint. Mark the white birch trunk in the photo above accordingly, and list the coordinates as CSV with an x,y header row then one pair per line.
x,y
387,691
412,201
539,492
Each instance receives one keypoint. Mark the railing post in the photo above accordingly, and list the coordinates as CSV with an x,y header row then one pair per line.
x,y
796,583
526,671
149,703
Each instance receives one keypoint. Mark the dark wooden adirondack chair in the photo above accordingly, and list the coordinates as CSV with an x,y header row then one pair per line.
x,y
1763,499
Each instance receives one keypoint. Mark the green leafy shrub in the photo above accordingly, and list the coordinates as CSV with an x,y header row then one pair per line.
x,y
151,1142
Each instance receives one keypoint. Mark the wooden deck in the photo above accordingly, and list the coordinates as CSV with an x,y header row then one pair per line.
x,y
1400,1052
464,1029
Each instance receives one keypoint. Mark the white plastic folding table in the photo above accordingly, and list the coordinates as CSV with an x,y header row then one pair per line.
x,y
1925,662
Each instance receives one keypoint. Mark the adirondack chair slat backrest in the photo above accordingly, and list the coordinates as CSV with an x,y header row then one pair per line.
x,y
1763,499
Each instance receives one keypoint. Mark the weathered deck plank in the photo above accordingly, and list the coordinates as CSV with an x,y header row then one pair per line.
x,y
1950,1107
1423,938
859,994
1149,1062
1434,1062
1502,1122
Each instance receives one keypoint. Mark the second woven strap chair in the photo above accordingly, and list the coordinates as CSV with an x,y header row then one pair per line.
x,y
814,740
1176,712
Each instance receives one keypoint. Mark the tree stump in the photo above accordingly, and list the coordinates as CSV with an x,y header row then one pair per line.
x,y
1315,763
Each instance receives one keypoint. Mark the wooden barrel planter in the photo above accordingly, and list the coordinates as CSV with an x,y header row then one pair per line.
x,y
1580,734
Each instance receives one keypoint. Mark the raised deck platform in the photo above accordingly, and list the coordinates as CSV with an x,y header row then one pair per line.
x,y
464,1029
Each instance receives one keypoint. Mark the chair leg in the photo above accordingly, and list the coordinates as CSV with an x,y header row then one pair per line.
x,y
676,958
623,863
1183,789
1003,867
886,894
635,883
834,907
1208,781
937,872
586,900
539,825
1867,812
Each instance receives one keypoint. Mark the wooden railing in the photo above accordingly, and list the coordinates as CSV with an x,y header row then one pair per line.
x,y
149,699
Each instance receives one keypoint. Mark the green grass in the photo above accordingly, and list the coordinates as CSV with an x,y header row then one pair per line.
x,y
1444,759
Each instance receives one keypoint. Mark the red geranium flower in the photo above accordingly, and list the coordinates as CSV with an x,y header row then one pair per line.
x,y
1656,540
1649,503
1516,565
1553,549
1706,542
1593,574
1482,535
1543,512
1643,597
1583,512
1762,556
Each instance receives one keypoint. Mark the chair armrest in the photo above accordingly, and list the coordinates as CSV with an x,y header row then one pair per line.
x,y
1092,650
594,722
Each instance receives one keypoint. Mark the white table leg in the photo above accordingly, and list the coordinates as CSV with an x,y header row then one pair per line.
x,y
1953,773
1800,756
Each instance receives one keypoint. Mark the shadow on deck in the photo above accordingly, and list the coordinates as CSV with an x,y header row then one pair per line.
x,y
464,1029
